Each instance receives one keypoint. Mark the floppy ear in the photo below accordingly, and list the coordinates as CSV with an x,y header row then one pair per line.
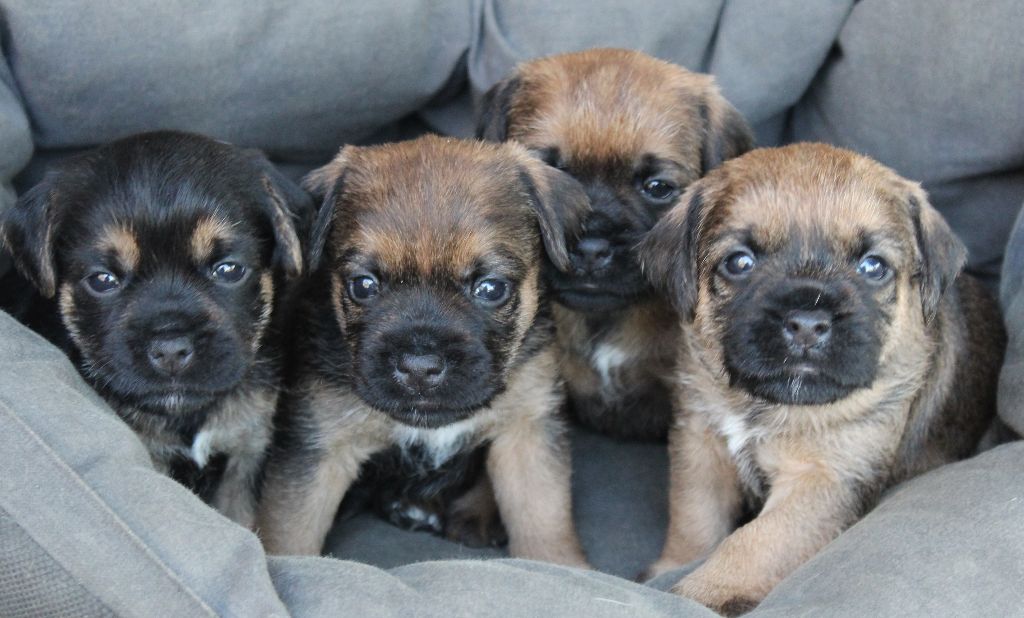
x,y
290,212
668,252
492,121
325,183
561,204
27,231
726,132
942,254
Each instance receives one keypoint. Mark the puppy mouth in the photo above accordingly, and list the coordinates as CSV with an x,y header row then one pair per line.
x,y
597,296
174,401
427,414
801,384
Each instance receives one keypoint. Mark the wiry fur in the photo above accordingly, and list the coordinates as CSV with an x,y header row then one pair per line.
x,y
159,211
911,385
612,119
427,218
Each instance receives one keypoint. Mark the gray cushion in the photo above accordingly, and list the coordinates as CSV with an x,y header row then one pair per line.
x,y
292,78
85,513
1011,380
933,89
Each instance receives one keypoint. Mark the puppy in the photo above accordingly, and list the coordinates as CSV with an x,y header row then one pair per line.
x,y
829,348
635,131
164,254
427,331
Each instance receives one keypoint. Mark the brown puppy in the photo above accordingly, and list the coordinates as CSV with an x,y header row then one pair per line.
x,y
635,131
830,347
428,333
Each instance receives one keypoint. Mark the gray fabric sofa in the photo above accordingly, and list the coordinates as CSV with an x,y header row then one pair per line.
x,y
86,525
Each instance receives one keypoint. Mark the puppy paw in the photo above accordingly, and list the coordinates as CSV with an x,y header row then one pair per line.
x,y
661,566
411,516
476,529
721,597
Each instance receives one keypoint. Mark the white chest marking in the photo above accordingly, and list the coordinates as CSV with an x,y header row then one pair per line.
x,y
441,443
736,432
606,358
201,447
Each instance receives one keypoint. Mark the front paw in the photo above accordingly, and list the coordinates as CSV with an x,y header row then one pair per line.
x,y
659,567
722,597
474,529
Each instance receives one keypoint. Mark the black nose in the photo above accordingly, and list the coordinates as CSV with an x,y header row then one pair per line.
x,y
804,330
419,372
593,253
172,355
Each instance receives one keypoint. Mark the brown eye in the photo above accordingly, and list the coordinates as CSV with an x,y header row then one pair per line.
x,y
491,292
874,269
363,288
739,264
228,272
102,283
659,190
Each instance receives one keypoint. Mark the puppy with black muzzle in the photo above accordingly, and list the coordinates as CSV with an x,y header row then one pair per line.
x,y
635,131
165,254
830,348
427,331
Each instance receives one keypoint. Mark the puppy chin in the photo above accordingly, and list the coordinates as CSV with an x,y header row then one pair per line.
x,y
591,295
796,388
428,410
174,403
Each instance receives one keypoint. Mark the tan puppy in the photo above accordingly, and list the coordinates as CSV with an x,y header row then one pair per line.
x,y
427,333
635,131
830,347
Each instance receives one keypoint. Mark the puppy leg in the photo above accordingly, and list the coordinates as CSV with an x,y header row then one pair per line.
x,y
704,495
235,496
529,466
300,498
807,507
473,517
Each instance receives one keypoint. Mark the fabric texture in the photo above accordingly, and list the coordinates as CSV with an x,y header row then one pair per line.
x,y
933,89
1011,379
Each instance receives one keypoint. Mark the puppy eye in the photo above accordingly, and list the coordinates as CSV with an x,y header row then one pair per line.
x,y
491,292
873,268
102,283
363,288
659,190
228,272
739,264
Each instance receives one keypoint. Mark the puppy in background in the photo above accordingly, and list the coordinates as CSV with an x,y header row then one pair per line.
x,y
635,131
165,255
426,332
830,348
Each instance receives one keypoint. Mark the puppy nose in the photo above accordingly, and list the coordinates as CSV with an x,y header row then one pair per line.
x,y
593,253
420,371
804,330
171,356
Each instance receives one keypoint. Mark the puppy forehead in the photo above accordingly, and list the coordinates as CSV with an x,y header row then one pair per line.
x,y
436,205
609,103
838,199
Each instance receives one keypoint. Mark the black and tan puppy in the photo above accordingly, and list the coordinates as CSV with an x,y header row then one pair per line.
x,y
635,131
164,254
830,348
427,331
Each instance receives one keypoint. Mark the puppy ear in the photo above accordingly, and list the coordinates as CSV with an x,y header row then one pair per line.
x,y
668,252
561,204
726,132
325,183
290,211
492,123
942,254
27,231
